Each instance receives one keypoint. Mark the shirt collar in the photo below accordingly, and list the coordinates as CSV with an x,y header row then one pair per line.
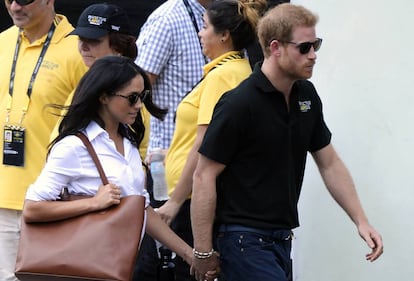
x,y
265,85
93,130
212,64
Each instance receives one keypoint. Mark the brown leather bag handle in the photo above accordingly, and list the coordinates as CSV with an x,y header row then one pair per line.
x,y
95,158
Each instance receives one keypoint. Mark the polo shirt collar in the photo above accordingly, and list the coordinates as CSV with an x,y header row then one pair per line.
x,y
265,85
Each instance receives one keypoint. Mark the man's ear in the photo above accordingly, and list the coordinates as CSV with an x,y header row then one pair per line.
x,y
275,47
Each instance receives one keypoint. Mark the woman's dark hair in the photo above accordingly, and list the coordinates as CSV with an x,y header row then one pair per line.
x,y
240,18
124,44
105,77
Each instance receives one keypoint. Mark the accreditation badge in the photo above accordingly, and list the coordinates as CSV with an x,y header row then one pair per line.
x,y
13,145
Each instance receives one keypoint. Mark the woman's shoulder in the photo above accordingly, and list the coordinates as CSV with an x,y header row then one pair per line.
x,y
67,145
232,68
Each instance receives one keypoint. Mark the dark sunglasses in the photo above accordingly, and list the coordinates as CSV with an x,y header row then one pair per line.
x,y
20,2
305,47
134,97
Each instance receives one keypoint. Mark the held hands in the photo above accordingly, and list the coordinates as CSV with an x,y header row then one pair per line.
x,y
107,195
373,239
206,269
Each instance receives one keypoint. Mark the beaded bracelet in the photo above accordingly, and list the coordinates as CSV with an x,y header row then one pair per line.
x,y
203,255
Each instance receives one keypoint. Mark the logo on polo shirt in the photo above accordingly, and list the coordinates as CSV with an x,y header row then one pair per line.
x,y
305,106
96,20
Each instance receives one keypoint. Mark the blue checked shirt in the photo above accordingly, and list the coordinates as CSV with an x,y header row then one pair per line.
x,y
169,47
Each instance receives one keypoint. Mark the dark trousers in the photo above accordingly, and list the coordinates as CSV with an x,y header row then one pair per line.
x,y
254,254
146,265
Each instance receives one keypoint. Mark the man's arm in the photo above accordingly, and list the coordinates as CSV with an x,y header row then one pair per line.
x,y
340,185
203,207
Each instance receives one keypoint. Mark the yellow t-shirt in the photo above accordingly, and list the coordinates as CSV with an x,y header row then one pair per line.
x,y
59,73
197,109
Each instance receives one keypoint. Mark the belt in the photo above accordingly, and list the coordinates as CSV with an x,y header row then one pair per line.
x,y
279,234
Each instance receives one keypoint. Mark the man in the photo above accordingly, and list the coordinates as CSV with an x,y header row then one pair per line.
x,y
169,51
250,171
40,66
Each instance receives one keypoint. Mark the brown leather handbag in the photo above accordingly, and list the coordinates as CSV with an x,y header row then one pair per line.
x,y
96,246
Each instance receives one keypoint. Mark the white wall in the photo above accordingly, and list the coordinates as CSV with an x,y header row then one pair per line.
x,y
364,75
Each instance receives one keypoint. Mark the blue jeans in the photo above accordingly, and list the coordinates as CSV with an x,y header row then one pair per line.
x,y
248,254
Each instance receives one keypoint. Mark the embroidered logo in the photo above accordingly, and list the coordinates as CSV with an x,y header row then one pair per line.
x,y
49,65
305,106
96,20
115,27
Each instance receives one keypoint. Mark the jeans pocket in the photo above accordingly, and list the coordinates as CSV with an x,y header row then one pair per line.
x,y
242,242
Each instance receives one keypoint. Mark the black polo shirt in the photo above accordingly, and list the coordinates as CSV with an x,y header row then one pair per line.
x,y
264,147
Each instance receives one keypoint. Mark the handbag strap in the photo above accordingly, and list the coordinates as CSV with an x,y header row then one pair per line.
x,y
95,158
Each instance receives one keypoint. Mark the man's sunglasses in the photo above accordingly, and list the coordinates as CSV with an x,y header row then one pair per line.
x,y
20,2
134,97
305,47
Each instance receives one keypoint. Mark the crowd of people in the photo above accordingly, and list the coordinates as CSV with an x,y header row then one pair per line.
x,y
192,85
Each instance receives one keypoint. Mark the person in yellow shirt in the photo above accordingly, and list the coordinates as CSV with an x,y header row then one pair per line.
x,y
39,65
229,27
105,29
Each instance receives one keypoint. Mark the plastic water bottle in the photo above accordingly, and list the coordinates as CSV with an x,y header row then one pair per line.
x,y
158,175
166,267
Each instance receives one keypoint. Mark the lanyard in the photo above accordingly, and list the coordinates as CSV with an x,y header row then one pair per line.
x,y
193,19
191,14
35,70
39,61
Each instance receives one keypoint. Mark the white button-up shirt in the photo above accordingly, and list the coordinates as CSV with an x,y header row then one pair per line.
x,y
70,165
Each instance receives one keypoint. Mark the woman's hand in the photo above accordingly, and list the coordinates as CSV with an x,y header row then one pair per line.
x,y
107,195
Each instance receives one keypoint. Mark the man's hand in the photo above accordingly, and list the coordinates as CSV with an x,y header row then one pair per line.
x,y
374,241
206,269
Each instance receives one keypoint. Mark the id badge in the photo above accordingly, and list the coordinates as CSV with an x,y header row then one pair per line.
x,y
13,145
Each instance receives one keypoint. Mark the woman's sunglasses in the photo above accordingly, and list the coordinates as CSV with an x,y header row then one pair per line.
x,y
305,47
20,2
134,97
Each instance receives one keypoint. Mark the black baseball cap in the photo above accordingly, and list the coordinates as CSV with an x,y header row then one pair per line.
x,y
98,20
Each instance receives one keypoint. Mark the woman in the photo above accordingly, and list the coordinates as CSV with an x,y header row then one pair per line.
x,y
229,27
105,108
112,36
